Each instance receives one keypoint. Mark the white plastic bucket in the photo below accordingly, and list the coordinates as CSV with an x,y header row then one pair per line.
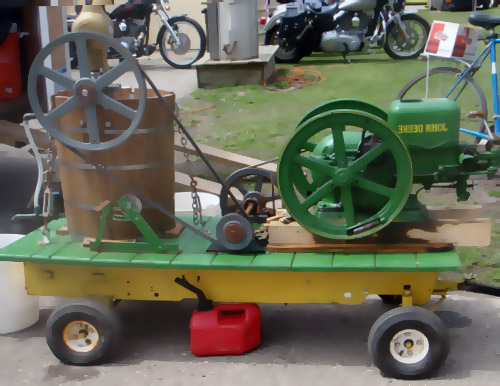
x,y
18,310
209,204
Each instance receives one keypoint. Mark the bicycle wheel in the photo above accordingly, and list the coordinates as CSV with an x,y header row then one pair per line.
x,y
468,95
192,45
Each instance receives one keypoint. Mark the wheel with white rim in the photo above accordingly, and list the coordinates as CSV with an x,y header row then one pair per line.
x,y
83,333
409,343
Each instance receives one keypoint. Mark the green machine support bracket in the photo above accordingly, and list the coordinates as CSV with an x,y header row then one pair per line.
x,y
152,243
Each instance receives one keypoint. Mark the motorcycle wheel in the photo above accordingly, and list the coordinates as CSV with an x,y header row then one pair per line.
x,y
397,47
192,39
282,55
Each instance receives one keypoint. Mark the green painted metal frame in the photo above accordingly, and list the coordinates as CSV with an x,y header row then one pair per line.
x,y
192,255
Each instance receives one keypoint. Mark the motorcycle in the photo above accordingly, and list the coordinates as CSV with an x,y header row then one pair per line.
x,y
303,26
181,40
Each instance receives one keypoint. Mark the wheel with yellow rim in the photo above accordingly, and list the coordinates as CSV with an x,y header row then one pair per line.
x,y
83,333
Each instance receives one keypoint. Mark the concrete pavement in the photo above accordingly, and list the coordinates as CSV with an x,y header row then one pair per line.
x,y
301,345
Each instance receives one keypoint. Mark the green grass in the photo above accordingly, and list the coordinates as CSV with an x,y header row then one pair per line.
x,y
256,121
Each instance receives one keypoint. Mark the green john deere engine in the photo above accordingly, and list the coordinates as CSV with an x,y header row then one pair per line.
x,y
348,169
430,129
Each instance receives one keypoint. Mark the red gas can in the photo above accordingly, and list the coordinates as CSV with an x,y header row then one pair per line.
x,y
10,68
227,329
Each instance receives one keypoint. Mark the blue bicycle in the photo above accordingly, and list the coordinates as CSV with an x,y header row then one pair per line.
x,y
459,84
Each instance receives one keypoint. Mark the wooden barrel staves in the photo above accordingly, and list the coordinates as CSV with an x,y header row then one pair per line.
x,y
145,161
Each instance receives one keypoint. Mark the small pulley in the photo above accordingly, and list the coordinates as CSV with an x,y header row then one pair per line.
x,y
256,191
234,232
89,90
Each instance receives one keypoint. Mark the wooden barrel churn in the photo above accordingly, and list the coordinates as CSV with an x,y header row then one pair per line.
x,y
145,160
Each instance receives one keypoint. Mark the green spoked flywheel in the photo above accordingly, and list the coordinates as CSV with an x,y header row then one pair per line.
x,y
344,174
344,104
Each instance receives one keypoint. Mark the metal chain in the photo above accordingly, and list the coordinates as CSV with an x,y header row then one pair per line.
x,y
196,204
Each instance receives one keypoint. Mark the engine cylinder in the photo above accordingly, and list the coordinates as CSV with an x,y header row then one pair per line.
x,y
430,129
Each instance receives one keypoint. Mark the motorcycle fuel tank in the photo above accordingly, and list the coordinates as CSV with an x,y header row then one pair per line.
x,y
358,5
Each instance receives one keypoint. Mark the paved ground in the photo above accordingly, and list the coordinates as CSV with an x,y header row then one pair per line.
x,y
301,344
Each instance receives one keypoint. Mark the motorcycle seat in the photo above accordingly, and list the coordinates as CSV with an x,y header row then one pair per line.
x,y
325,10
483,20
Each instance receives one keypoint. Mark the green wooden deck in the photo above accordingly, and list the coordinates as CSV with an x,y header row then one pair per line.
x,y
63,251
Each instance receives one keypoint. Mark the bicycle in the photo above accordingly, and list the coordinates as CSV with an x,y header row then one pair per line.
x,y
465,91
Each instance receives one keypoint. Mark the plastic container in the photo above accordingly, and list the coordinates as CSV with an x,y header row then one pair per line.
x,y
210,204
10,68
18,309
227,329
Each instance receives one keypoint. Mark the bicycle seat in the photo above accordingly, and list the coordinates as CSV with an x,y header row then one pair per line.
x,y
483,20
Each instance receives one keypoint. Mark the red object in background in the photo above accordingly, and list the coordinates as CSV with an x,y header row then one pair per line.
x,y
227,329
10,68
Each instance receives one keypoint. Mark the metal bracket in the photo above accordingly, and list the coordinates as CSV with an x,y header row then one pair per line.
x,y
152,242
407,298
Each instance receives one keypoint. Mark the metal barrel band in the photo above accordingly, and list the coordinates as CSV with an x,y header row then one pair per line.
x,y
87,166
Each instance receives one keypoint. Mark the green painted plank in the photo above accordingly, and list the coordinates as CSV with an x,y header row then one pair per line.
x,y
395,262
438,261
24,248
152,260
115,259
273,262
312,262
74,253
353,262
193,261
241,262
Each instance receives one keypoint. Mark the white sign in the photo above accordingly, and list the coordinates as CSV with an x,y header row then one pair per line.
x,y
451,40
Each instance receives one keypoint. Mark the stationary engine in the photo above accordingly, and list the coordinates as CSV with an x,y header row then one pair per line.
x,y
349,168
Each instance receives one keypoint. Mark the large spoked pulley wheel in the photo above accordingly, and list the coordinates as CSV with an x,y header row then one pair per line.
x,y
186,46
83,333
409,343
255,189
344,174
88,92
407,43
344,104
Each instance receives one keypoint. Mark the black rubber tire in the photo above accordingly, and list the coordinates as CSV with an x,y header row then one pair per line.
x,y
391,299
270,38
399,319
407,17
105,321
453,72
201,34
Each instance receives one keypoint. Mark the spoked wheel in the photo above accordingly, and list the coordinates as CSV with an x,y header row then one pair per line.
x,y
344,104
184,49
410,43
88,93
468,95
344,174
83,333
283,55
255,189
409,343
